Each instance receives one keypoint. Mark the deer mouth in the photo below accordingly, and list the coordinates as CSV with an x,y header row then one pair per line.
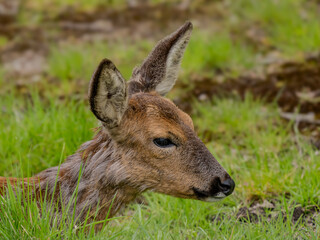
x,y
216,198
217,191
208,196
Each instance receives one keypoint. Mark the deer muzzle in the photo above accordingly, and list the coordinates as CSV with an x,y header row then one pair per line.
x,y
218,190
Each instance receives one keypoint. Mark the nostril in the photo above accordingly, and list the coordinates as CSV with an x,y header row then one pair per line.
x,y
227,186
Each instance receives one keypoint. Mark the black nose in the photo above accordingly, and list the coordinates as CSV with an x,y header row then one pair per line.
x,y
227,186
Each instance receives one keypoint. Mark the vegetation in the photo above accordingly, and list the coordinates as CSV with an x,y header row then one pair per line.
x,y
41,123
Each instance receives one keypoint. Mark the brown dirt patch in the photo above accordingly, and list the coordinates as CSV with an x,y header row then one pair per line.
x,y
294,86
267,211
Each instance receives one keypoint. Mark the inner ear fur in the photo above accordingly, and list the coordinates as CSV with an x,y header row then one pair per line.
x,y
159,70
108,94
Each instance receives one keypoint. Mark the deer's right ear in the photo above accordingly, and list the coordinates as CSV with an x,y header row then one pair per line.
x,y
108,94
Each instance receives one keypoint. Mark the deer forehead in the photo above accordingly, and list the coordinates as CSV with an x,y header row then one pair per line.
x,y
160,116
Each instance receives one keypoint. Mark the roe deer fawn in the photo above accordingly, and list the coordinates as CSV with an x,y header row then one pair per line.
x,y
144,142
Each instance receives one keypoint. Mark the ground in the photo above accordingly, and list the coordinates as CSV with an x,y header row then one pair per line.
x,y
250,79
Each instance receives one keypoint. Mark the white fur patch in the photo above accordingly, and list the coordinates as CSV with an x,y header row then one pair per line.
x,y
216,198
173,64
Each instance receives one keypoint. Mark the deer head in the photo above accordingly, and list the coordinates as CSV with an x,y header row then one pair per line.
x,y
159,149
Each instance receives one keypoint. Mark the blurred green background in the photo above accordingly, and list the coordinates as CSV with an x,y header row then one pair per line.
x,y
250,79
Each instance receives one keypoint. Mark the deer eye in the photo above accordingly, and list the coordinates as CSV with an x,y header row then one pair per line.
x,y
163,142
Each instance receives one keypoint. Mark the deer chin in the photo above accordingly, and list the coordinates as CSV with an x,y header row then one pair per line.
x,y
219,196
207,196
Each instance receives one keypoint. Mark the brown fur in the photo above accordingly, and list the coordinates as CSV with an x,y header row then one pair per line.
x,y
122,160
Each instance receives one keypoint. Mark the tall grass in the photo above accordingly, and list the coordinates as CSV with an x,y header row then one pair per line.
x,y
248,138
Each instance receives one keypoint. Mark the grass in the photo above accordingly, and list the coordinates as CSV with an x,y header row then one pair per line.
x,y
291,29
291,25
247,137
254,144
169,218
206,52
77,60
33,133
25,218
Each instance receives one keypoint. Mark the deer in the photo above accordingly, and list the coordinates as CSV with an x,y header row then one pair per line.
x,y
144,142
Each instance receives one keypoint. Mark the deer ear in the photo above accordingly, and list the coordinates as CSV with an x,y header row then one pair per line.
x,y
108,94
159,70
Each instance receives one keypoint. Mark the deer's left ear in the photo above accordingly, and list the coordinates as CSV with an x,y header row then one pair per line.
x,y
159,70
108,94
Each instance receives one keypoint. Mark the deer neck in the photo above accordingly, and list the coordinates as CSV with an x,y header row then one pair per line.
x,y
91,179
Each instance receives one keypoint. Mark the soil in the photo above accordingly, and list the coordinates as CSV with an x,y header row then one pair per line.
x,y
294,86
267,210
